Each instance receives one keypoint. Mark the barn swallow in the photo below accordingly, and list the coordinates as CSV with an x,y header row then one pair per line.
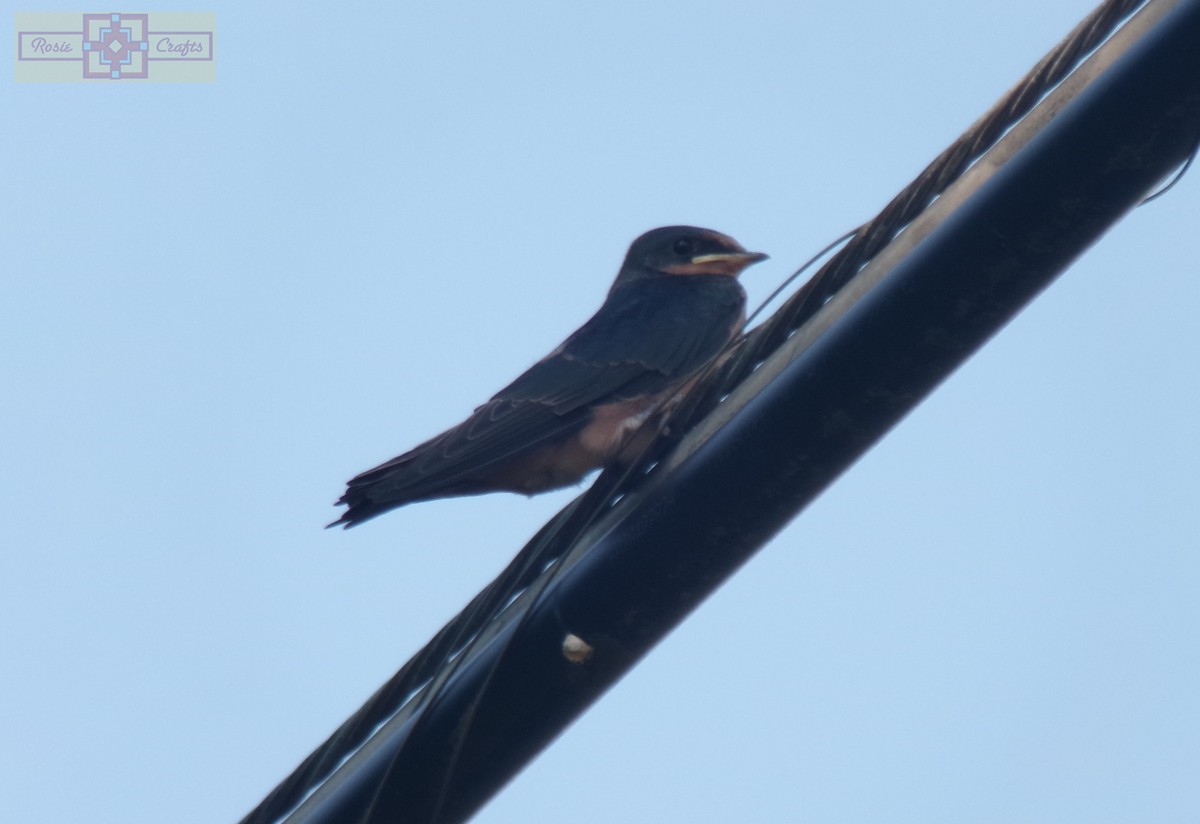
x,y
675,304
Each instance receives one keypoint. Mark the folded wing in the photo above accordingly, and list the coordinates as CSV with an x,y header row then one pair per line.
x,y
649,337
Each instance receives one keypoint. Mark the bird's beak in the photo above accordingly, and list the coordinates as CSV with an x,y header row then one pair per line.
x,y
744,258
724,263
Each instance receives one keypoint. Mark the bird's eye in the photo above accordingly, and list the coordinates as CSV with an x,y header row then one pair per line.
x,y
684,247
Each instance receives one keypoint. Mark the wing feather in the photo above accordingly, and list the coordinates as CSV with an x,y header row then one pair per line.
x,y
647,336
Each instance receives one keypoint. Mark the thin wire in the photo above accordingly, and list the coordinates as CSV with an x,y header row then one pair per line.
x,y
792,277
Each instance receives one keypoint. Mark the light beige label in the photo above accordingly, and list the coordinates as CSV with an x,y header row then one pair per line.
x,y
162,47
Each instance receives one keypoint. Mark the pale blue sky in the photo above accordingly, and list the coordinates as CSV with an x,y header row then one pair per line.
x,y
223,300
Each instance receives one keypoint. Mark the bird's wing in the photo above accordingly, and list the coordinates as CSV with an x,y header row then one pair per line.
x,y
642,342
647,337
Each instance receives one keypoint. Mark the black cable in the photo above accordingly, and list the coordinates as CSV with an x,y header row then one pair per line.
x,y
432,665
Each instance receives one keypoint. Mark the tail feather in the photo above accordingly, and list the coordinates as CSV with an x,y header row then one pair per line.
x,y
395,484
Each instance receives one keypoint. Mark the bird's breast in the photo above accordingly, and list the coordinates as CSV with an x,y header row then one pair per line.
x,y
565,462
612,425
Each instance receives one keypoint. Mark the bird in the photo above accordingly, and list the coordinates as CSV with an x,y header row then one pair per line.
x,y
674,306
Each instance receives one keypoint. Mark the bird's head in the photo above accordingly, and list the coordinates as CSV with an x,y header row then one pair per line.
x,y
685,250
